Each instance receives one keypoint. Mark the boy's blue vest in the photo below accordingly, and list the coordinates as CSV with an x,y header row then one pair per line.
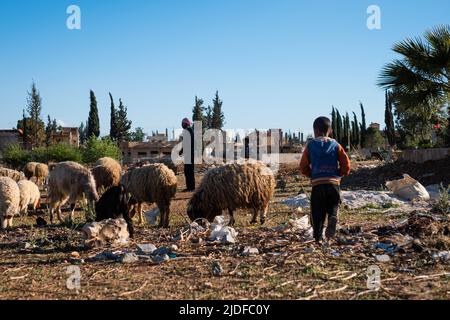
x,y
323,155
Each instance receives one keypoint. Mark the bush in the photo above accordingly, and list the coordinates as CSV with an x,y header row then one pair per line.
x,y
16,157
56,153
96,149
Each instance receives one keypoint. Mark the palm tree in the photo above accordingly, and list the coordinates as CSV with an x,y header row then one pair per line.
x,y
420,81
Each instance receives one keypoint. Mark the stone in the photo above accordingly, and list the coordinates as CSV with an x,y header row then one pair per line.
x,y
106,232
383,258
146,248
249,251
129,257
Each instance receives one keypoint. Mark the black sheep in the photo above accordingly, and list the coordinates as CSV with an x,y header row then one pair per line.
x,y
114,204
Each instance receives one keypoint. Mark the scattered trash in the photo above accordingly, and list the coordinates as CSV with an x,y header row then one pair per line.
x,y
382,258
27,245
129,257
249,251
161,251
105,256
216,269
408,188
75,255
302,226
174,247
388,247
152,216
146,248
221,232
443,256
161,258
111,231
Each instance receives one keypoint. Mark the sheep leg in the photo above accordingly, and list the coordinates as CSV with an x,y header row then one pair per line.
x,y
263,214
254,217
59,212
10,222
72,211
232,221
140,213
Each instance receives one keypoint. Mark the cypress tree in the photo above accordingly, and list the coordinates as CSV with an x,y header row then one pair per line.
x,y
363,126
334,122
82,133
113,120
93,128
123,124
218,117
356,133
34,108
339,127
209,117
389,119
197,112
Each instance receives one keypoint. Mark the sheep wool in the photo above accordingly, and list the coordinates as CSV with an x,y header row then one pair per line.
x,y
107,173
249,186
29,195
13,174
41,173
29,170
154,183
9,201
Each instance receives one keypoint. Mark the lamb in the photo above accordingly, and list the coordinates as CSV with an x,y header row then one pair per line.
x,y
69,182
154,183
107,173
41,173
9,201
114,204
29,195
13,174
30,169
250,185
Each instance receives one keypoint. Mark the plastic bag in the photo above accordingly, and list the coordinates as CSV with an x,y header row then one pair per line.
x,y
408,188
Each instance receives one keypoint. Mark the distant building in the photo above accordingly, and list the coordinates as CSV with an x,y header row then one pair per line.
x,y
66,135
9,137
133,152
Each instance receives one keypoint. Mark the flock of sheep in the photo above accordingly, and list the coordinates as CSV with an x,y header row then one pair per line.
x,y
249,185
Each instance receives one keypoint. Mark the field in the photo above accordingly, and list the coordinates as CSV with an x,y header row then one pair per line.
x,y
34,260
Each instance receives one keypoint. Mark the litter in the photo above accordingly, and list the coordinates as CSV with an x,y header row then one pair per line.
x,y
408,188
443,256
302,226
388,247
147,248
152,216
216,269
110,231
129,257
221,232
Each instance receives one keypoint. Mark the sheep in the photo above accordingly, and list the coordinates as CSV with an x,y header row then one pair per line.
x,y
107,173
29,195
154,183
30,170
114,204
250,186
13,174
41,173
9,201
69,182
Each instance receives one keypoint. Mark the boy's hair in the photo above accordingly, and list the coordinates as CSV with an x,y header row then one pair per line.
x,y
322,124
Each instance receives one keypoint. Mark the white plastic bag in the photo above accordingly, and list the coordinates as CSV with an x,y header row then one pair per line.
x,y
221,232
408,188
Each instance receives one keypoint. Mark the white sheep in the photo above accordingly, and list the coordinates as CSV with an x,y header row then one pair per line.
x,y
9,201
29,195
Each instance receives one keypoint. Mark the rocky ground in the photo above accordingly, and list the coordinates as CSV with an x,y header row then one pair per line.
x,y
407,247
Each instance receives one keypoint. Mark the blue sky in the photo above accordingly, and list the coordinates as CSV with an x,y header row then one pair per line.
x,y
276,64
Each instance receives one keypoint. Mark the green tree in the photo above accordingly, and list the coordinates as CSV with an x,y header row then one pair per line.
x,y
420,78
83,133
356,131
374,139
209,117
93,127
218,118
51,127
334,122
34,109
138,135
197,112
113,120
99,148
339,127
363,126
123,124
389,119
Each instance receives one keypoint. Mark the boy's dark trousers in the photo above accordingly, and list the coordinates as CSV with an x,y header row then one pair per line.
x,y
325,201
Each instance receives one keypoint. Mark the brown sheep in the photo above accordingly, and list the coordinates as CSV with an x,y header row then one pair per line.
x,y
154,183
30,169
41,173
107,173
13,174
250,185
69,182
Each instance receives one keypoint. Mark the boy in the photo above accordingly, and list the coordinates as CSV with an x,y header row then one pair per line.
x,y
325,162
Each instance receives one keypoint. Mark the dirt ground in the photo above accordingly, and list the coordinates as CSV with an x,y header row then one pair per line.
x,y
34,260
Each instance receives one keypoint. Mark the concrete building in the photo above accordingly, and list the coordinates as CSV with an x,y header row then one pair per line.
x,y
67,135
133,152
9,137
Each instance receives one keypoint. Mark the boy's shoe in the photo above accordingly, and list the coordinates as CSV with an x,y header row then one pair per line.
x,y
331,228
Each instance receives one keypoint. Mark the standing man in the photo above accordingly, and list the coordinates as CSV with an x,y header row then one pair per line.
x,y
188,154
